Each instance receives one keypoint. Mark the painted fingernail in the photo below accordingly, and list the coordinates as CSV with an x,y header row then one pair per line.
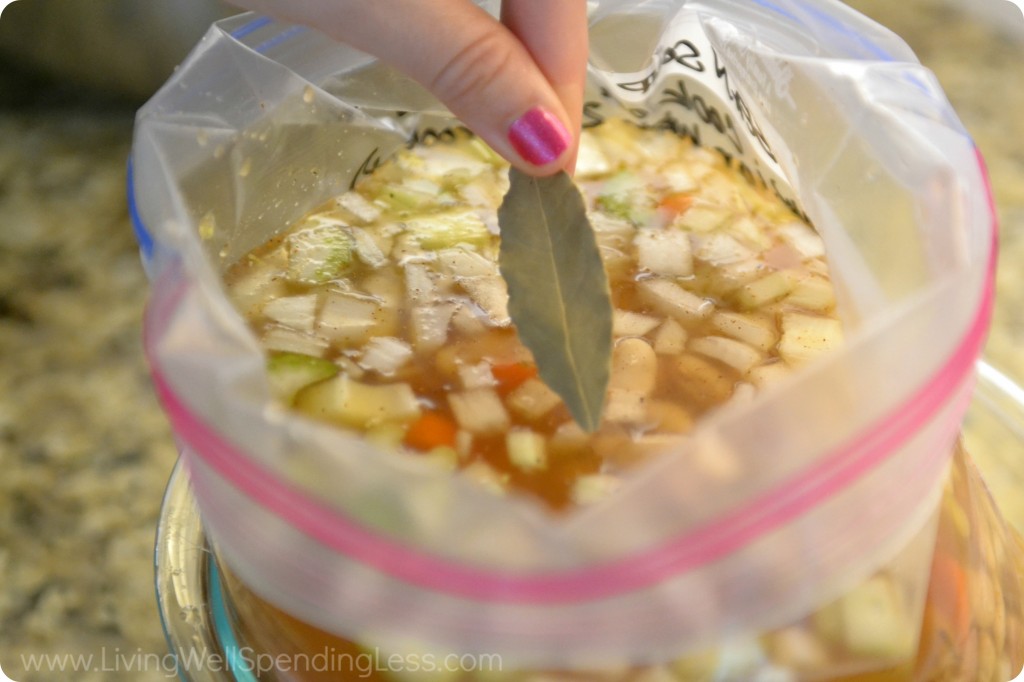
x,y
539,137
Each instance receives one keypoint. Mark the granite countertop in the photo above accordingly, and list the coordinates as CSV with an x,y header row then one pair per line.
x,y
84,448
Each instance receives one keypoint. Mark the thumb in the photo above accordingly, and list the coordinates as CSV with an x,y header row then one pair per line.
x,y
469,60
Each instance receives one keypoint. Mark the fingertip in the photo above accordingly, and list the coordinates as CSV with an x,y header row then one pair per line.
x,y
541,141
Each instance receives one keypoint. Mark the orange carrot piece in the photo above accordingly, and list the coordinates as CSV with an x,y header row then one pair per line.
x,y
511,375
674,204
949,596
431,430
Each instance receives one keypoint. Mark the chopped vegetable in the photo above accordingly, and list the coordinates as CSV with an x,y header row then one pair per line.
x,y
629,323
668,298
664,252
479,411
319,254
358,206
594,488
526,450
448,229
491,294
767,289
805,337
734,353
511,375
670,338
430,325
290,372
385,355
756,331
532,399
432,429
348,318
297,312
351,403
478,375
812,293
703,218
288,340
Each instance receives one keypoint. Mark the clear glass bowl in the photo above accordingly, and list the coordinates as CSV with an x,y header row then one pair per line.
x,y
196,616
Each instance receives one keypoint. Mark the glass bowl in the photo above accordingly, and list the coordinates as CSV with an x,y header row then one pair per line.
x,y
197,618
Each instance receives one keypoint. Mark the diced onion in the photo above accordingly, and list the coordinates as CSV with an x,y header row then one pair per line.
x,y
297,312
479,411
668,298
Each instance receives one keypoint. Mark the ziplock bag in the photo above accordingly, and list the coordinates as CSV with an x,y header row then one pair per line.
x,y
842,466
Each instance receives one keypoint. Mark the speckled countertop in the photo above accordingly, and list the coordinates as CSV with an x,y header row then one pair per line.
x,y
84,448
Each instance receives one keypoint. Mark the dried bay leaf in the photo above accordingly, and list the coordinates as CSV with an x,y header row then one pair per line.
x,y
558,292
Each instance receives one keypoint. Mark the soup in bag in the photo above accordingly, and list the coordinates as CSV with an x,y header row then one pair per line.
x,y
797,241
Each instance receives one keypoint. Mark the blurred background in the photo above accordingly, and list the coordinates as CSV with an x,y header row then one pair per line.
x,y
84,448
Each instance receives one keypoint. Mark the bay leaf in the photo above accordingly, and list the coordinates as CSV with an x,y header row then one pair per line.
x,y
558,292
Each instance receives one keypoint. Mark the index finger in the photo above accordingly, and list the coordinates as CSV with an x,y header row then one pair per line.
x,y
554,32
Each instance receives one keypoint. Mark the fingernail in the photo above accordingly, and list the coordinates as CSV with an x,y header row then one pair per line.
x,y
539,137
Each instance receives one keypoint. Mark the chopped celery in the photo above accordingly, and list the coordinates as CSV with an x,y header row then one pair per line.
x,y
401,198
448,228
351,403
367,248
484,151
625,195
526,450
805,337
288,373
319,254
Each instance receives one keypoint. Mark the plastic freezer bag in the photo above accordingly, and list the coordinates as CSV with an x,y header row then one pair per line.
x,y
842,467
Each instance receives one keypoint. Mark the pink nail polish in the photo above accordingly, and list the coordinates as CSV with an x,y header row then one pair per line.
x,y
538,136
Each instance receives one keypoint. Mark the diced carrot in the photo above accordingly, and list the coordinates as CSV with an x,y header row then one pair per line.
x,y
510,376
674,204
431,430
948,596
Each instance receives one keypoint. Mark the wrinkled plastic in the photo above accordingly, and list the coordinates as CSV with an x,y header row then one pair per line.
x,y
843,466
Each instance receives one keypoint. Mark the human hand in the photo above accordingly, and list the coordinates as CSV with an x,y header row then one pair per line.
x,y
517,83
